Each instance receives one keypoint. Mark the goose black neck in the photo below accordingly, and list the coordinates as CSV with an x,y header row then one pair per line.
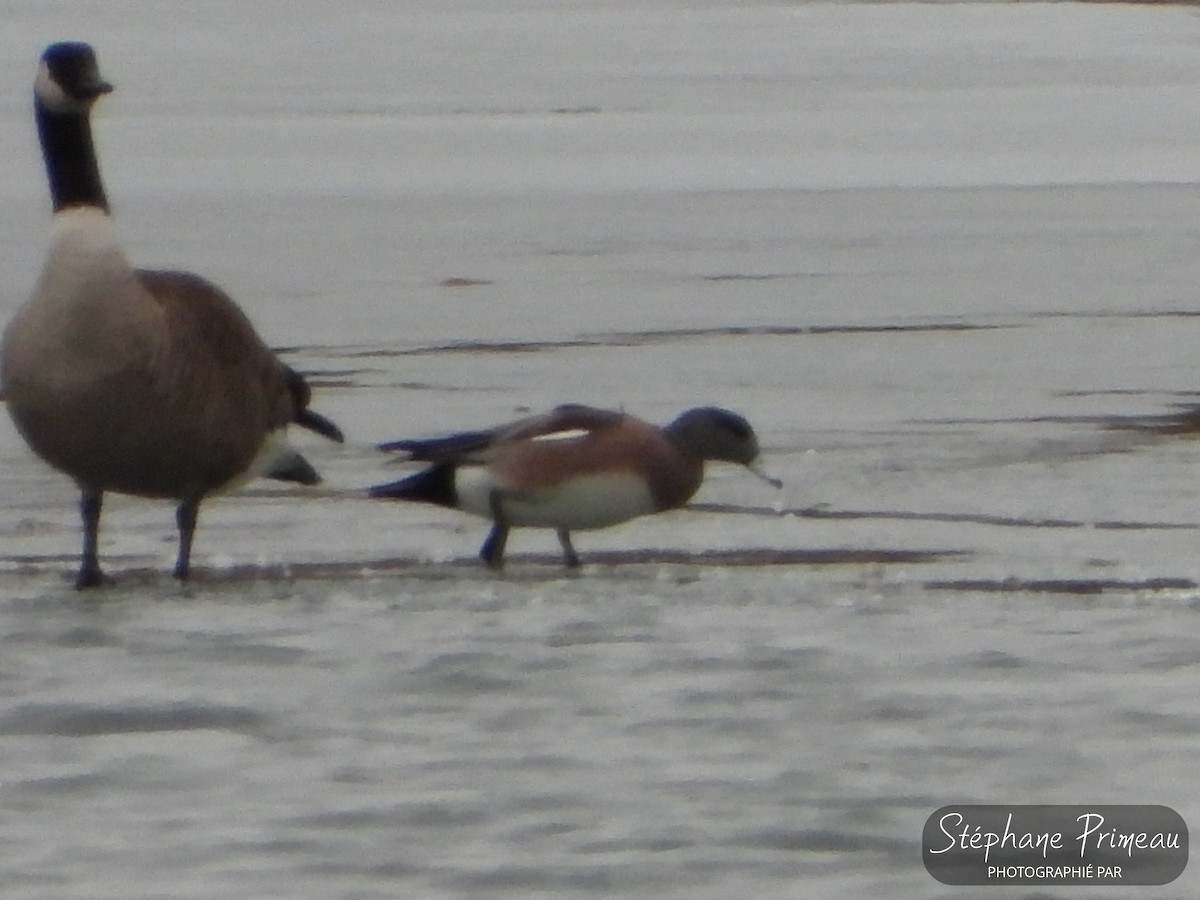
x,y
70,157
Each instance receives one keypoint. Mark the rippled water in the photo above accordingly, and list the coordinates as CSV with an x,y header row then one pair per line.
x,y
979,583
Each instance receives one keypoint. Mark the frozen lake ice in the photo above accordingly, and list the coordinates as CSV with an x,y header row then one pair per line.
x,y
943,256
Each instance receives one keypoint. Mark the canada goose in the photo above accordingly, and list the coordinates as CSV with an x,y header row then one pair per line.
x,y
152,383
573,468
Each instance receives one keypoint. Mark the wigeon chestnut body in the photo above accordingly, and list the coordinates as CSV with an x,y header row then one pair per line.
x,y
574,468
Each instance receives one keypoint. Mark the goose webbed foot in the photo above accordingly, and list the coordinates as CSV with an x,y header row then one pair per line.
x,y
90,577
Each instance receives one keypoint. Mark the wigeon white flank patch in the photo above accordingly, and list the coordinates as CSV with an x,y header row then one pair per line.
x,y
592,501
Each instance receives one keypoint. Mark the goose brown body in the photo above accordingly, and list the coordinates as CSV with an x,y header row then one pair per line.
x,y
169,393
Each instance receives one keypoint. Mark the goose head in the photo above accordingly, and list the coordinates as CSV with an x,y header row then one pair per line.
x,y
68,79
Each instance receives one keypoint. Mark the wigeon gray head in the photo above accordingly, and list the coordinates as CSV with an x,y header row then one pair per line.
x,y
574,468
710,432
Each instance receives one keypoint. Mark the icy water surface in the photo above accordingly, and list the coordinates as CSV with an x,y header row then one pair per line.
x,y
944,257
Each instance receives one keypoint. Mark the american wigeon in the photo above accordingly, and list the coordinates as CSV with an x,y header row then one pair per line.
x,y
573,468
151,383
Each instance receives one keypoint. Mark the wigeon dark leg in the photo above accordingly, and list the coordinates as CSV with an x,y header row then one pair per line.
x,y
492,551
185,516
89,567
570,557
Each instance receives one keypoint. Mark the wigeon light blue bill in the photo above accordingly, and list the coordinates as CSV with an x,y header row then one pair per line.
x,y
572,469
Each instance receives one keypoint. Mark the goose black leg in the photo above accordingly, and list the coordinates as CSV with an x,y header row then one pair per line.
x,y
492,551
90,575
185,516
570,557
